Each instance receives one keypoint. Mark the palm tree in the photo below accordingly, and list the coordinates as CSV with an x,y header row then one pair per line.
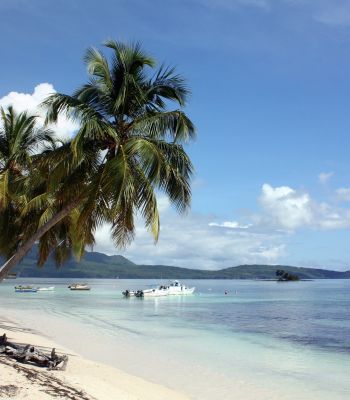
x,y
20,140
134,140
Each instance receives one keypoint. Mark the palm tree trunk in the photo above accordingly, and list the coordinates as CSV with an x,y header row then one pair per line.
x,y
26,246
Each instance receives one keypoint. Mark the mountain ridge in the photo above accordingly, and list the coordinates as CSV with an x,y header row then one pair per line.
x,y
100,265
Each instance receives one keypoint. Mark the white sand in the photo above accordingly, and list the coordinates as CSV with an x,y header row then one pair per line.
x,y
83,379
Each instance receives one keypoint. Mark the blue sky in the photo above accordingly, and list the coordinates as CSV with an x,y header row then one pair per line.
x,y
270,84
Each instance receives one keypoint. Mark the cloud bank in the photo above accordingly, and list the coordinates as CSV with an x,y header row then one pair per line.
x,y
201,241
194,241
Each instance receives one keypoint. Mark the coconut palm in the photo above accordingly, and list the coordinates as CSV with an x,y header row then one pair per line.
x,y
20,140
125,122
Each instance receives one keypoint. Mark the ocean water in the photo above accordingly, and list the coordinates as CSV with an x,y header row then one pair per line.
x,y
263,340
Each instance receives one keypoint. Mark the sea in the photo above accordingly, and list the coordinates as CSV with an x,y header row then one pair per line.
x,y
261,340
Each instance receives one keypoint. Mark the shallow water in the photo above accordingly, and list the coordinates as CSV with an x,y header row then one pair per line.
x,y
280,340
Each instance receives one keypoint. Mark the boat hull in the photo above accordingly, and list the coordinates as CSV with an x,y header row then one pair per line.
x,y
153,293
183,292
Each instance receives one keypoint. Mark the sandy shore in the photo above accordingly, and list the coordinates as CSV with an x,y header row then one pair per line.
x,y
83,379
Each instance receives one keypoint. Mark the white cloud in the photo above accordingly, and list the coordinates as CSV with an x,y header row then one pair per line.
x,y
230,224
343,194
287,208
192,241
30,102
324,177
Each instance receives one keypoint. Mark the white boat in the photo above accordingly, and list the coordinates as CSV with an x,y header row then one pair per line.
x,y
177,288
46,289
79,286
173,289
155,292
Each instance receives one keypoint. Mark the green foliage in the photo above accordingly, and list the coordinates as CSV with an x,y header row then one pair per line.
x,y
20,141
284,276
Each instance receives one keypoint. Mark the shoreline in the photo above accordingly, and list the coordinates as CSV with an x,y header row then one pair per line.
x,y
83,379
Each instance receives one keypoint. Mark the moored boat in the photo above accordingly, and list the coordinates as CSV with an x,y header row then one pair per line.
x,y
25,289
174,288
79,286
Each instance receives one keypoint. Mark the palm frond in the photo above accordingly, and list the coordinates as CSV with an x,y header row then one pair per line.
x,y
173,124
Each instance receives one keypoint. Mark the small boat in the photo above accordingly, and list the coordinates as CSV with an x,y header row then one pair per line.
x,y
25,289
46,289
76,284
155,292
79,286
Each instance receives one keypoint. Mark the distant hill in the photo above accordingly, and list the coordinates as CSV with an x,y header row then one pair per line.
x,y
99,265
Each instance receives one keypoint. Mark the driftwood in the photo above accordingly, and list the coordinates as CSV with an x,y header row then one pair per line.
x,y
32,355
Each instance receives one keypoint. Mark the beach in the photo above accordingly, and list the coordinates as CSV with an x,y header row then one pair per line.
x,y
82,379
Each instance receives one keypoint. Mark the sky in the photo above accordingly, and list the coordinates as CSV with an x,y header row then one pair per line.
x,y
270,82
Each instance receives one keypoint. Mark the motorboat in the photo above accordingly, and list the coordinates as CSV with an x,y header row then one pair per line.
x,y
25,289
155,292
79,286
177,288
46,289
174,288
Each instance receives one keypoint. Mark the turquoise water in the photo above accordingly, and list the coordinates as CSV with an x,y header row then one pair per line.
x,y
282,341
